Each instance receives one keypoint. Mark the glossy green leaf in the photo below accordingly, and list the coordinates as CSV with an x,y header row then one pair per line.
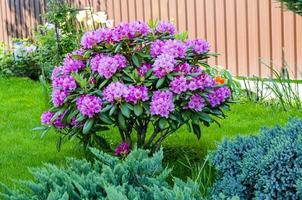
x,y
88,125
122,121
138,110
125,110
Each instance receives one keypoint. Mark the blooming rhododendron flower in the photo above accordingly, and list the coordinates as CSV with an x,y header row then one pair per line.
x,y
183,68
219,96
156,47
199,46
88,40
107,66
162,103
163,65
46,118
143,69
175,48
196,103
89,105
58,97
123,149
72,65
66,83
115,91
165,27
136,93
179,85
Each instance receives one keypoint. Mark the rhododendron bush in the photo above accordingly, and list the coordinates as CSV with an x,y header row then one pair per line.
x,y
132,76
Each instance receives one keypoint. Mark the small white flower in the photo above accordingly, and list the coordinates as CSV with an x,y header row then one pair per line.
x,y
81,15
100,17
49,26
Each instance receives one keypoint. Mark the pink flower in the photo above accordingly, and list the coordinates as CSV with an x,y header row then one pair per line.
x,y
196,103
163,65
123,149
89,105
115,91
179,85
136,93
162,103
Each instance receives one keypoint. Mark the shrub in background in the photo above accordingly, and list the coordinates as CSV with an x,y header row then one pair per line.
x,y
293,5
137,177
133,76
267,166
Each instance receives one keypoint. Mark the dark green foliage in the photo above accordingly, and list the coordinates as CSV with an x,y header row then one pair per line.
x,y
137,177
267,166
293,5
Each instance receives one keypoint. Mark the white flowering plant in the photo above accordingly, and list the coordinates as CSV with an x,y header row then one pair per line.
x,y
135,76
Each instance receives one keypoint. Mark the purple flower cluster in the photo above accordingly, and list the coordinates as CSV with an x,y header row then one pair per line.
x,y
143,69
107,66
115,92
163,65
165,27
58,97
199,46
219,96
65,83
72,65
155,49
88,40
46,119
178,84
117,34
175,48
123,149
162,103
118,91
136,93
201,82
196,103
184,68
130,30
89,105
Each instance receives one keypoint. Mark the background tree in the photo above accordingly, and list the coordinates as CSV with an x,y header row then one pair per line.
x,y
293,5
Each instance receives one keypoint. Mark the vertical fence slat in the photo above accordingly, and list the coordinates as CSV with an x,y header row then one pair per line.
x,y
276,36
200,19
191,18
242,37
231,36
163,12
264,6
139,10
173,12
147,10
299,46
155,9
117,12
132,10
289,42
210,27
253,40
220,29
124,10
181,15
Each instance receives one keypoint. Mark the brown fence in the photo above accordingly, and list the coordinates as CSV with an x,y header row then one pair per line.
x,y
242,31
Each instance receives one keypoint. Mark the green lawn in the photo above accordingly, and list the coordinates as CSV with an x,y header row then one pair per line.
x,y
22,102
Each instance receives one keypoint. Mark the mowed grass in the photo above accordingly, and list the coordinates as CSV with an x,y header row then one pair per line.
x,y
22,102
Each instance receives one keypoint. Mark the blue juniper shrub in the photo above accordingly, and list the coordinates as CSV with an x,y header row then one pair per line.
x,y
138,176
267,166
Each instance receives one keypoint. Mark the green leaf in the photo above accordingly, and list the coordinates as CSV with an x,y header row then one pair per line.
x,y
196,130
112,110
40,128
71,115
102,142
103,84
205,117
106,119
59,143
135,61
106,108
163,123
138,110
88,125
122,121
125,110
57,114
160,82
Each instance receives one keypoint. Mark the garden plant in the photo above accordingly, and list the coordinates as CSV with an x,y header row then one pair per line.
x,y
136,77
